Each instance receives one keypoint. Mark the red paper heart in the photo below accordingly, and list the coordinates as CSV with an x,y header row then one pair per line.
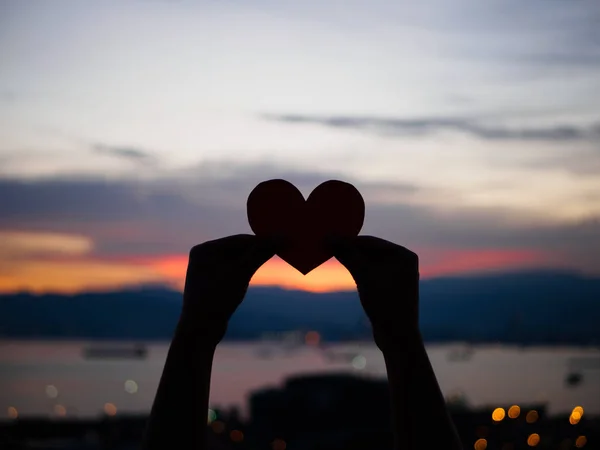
x,y
276,208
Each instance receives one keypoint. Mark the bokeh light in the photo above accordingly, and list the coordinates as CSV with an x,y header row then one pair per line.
x,y
236,436
110,409
480,444
514,411
498,414
218,426
532,416
580,442
312,338
575,417
212,416
278,444
131,387
60,410
51,391
533,439
359,362
13,413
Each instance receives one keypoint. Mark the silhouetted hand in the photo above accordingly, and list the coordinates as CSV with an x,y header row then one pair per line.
x,y
387,279
217,279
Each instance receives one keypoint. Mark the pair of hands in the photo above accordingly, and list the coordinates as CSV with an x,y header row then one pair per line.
x,y
219,272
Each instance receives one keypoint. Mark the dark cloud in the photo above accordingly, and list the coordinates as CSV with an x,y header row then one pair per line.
x,y
171,215
428,126
131,153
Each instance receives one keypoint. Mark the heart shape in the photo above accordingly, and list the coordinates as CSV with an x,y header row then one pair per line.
x,y
276,208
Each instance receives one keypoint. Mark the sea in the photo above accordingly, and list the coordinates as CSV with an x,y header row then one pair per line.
x,y
86,379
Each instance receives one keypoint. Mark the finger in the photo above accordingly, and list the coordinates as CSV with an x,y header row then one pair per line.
x,y
261,251
385,252
227,248
349,255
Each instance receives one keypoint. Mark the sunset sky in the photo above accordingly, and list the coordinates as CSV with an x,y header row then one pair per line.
x,y
132,130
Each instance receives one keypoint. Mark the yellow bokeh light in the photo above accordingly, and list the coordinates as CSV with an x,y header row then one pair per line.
x,y
533,439
532,416
514,411
236,436
580,442
110,409
480,444
498,414
574,418
13,413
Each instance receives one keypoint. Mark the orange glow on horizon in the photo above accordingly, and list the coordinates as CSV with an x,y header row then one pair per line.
x,y
332,276
76,274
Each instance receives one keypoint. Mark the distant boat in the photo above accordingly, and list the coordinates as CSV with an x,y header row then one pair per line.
x,y
115,351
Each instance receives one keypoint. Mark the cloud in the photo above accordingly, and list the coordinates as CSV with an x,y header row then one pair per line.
x,y
584,162
15,244
160,217
130,153
432,125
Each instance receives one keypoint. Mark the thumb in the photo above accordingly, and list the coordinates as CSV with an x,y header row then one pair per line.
x,y
349,255
258,254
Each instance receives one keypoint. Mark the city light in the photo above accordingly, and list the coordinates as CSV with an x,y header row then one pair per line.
x,y
514,411
51,391
580,442
533,440
212,416
359,362
498,414
60,410
218,426
236,436
131,387
13,413
312,338
480,444
110,409
532,416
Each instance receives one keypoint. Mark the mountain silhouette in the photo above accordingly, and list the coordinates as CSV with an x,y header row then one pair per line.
x,y
537,307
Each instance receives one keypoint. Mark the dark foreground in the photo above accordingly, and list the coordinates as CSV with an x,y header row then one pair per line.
x,y
313,413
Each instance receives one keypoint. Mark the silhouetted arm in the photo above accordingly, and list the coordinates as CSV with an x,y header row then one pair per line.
x,y
419,415
387,279
179,414
216,282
